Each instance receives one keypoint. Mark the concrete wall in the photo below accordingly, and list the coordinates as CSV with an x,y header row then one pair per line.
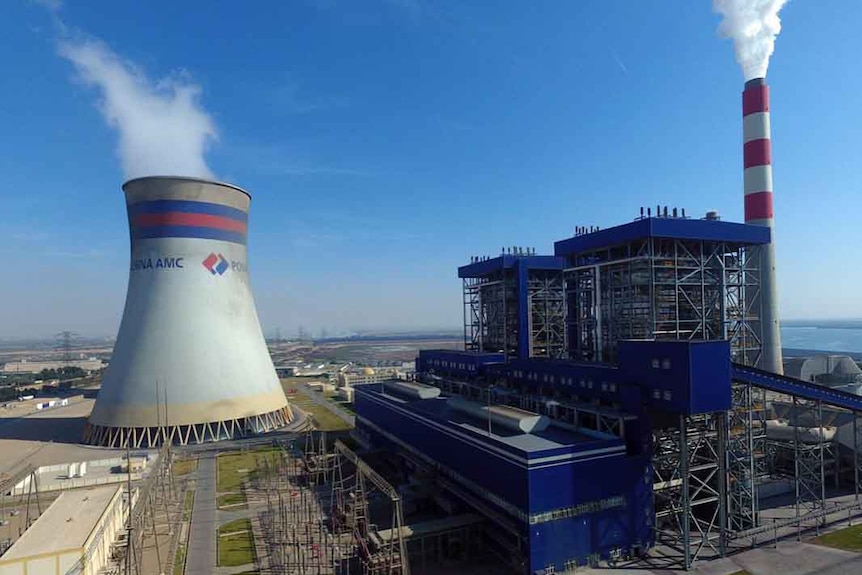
x,y
98,545
58,563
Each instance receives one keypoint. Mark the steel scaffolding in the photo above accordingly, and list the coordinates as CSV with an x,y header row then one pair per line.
x,y
809,459
657,288
152,508
746,455
491,313
19,489
546,302
690,487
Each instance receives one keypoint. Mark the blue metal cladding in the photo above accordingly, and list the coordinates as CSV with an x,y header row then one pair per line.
x,y
568,511
686,377
591,380
671,228
500,476
465,363
488,267
677,376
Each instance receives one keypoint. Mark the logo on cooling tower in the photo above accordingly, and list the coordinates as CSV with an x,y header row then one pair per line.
x,y
216,264
156,264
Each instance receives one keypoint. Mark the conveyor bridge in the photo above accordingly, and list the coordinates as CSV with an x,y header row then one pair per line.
x,y
796,387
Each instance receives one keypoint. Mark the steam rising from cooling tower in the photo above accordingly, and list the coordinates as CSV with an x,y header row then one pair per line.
x,y
753,26
162,127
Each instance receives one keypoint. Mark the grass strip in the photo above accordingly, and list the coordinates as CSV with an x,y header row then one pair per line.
x,y
847,539
237,548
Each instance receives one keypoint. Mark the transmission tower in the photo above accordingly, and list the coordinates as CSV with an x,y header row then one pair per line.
x,y
64,342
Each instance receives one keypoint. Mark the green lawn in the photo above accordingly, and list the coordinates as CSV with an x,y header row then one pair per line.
x,y
180,560
184,466
243,524
324,419
231,499
236,549
848,539
188,504
236,467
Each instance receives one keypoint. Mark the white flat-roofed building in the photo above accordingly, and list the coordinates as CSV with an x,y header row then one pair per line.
x,y
37,366
74,535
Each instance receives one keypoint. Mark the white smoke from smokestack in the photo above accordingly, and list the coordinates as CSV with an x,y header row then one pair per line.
x,y
753,26
163,129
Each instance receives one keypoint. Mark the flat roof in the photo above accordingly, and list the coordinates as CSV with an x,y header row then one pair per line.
x,y
485,267
672,228
551,440
65,525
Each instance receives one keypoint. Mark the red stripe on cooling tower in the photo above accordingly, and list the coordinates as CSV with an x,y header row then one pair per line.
x,y
757,153
189,219
758,206
755,99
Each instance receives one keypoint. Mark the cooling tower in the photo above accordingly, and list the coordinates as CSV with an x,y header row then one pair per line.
x,y
190,363
757,158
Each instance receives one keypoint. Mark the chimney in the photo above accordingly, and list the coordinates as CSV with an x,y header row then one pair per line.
x,y
757,159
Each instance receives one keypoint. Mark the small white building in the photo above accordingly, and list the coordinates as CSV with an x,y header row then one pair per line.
x,y
367,375
74,535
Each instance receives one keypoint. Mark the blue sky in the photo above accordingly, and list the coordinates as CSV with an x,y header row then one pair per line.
x,y
385,142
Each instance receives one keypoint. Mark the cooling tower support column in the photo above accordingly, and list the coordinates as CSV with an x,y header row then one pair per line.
x,y
190,363
757,156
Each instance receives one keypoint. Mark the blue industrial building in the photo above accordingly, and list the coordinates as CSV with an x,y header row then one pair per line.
x,y
578,491
638,346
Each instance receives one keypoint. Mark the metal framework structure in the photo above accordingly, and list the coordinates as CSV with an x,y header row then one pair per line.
x,y
493,321
690,487
154,505
350,512
491,313
20,488
546,304
151,437
658,288
746,454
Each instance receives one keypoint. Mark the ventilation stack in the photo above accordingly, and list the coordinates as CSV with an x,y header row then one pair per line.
x,y
757,157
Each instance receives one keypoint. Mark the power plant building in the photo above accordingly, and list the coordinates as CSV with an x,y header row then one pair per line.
x,y
190,364
663,278
657,420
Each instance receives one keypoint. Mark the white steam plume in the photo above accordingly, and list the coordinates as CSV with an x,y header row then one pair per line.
x,y
163,129
753,26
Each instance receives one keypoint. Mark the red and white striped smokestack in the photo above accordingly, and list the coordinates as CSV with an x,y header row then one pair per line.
x,y
757,157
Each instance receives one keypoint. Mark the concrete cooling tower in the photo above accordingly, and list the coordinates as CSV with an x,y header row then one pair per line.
x,y
190,364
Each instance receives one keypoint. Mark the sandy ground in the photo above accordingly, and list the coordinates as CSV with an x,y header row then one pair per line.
x,y
47,437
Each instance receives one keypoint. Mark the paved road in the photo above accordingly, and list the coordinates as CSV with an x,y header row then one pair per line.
x,y
790,558
201,558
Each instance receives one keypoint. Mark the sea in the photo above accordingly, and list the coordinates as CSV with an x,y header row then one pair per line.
x,y
842,336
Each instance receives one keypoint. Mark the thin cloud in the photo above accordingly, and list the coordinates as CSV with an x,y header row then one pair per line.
x,y
619,62
50,5
289,97
278,160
